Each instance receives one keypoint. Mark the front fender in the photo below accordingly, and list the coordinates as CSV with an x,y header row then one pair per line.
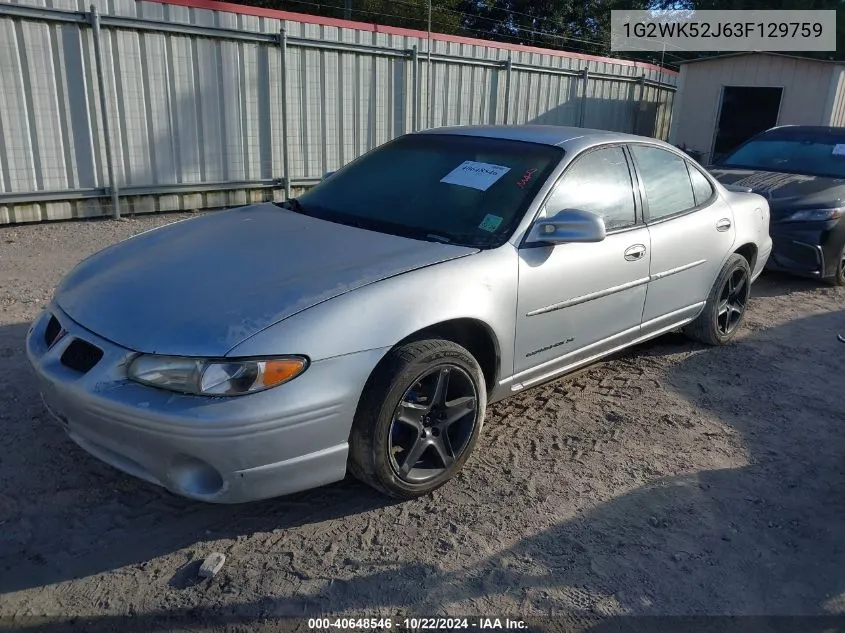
x,y
482,286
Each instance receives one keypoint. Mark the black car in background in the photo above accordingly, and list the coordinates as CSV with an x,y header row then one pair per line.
x,y
801,171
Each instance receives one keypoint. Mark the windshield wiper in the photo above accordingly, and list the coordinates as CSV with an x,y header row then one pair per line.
x,y
439,237
293,204
466,239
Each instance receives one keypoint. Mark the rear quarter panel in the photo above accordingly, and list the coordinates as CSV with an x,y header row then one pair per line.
x,y
751,217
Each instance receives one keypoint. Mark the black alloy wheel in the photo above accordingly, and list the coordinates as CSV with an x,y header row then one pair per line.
x,y
726,304
732,301
419,418
433,424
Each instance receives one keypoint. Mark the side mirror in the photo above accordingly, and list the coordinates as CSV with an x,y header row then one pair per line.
x,y
327,174
569,225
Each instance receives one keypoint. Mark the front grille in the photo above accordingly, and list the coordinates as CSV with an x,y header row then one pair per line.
x,y
52,331
81,355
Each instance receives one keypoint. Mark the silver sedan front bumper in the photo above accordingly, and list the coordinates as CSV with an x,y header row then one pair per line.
x,y
224,450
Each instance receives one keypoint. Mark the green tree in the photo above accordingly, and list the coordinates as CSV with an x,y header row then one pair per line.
x,y
574,25
582,26
728,5
412,14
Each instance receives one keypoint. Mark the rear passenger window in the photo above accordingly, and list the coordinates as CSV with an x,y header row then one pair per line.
x,y
668,189
701,187
598,182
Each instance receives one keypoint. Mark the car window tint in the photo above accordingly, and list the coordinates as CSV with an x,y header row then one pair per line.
x,y
467,190
598,182
701,187
794,150
668,189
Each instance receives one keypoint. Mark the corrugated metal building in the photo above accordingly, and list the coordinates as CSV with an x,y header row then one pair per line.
x,y
724,100
203,104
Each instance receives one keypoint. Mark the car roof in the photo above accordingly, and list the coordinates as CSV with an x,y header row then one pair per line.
x,y
543,134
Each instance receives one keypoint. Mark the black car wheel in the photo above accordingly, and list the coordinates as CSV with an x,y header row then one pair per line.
x,y
724,311
418,419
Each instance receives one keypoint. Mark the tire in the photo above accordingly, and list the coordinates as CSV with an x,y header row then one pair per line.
x,y
719,321
838,278
384,449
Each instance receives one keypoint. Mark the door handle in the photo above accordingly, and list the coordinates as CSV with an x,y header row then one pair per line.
x,y
635,252
723,225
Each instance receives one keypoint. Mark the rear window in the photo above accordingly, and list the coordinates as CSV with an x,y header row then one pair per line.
x,y
701,188
458,189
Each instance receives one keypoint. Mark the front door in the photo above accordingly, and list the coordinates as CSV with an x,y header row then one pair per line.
x,y
577,301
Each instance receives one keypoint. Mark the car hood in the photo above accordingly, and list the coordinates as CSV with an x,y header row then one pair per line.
x,y
786,192
201,286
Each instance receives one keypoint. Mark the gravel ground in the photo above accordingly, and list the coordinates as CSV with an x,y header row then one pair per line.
x,y
672,479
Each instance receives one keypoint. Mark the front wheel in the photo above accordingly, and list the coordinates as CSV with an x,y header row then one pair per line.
x,y
838,278
724,311
419,418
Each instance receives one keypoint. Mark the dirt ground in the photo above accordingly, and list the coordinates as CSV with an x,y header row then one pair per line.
x,y
673,479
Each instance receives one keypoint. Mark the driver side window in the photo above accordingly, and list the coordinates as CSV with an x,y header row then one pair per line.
x,y
598,182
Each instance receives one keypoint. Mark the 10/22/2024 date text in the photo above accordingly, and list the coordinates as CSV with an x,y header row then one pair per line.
x,y
417,624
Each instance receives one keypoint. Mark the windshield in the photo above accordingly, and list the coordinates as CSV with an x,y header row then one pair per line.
x,y
465,190
813,153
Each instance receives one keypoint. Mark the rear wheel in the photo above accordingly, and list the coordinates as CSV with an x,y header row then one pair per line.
x,y
725,309
418,419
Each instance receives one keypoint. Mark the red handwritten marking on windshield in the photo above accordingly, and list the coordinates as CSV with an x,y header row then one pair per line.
x,y
526,178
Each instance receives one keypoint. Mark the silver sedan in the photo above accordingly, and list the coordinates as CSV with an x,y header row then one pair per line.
x,y
365,327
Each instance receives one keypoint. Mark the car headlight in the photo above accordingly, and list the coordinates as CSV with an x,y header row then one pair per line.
x,y
221,377
814,215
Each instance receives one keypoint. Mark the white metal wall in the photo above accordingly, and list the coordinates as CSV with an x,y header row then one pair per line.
x,y
837,98
195,97
809,91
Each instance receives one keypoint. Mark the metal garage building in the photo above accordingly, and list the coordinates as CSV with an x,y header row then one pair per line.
x,y
724,100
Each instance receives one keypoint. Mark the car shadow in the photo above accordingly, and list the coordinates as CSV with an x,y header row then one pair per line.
x,y
762,538
776,284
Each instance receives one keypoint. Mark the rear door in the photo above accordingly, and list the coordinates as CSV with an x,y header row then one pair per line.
x,y
691,232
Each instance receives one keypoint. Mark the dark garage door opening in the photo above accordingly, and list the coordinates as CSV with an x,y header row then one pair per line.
x,y
744,112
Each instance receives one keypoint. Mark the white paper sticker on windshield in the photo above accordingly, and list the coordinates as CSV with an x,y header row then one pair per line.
x,y
839,149
475,175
